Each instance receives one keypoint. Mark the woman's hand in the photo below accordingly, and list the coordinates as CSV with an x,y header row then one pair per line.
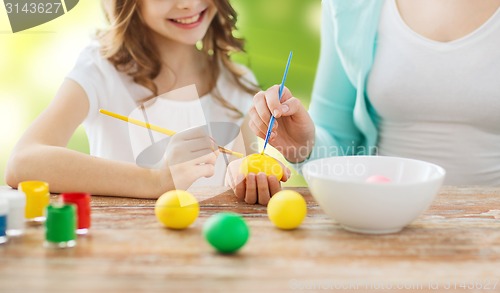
x,y
254,188
293,130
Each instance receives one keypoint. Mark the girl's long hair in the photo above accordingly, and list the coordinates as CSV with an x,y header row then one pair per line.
x,y
128,46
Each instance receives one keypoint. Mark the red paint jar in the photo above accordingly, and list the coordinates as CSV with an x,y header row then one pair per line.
x,y
82,202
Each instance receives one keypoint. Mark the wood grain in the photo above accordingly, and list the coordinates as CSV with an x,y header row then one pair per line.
x,y
456,242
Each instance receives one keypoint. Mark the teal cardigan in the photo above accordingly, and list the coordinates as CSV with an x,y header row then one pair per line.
x,y
346,123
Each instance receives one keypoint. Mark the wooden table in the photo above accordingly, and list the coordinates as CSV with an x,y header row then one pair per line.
x,y
456,243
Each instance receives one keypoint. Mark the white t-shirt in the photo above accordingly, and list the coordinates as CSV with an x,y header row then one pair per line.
x,y
439,102
110,89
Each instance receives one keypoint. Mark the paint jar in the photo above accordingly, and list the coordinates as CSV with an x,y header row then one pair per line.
x,y
82,203
17,203
4,210
37,199
60,227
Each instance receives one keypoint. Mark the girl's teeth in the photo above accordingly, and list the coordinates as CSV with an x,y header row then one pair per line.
x,y
188,20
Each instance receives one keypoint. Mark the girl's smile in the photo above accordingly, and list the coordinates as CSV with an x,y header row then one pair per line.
x,y
189,22
183,22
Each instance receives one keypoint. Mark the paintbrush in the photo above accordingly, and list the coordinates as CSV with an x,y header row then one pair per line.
x,y
158,129
280,94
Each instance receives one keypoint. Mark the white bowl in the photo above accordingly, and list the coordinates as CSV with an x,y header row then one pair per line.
x,y
339,186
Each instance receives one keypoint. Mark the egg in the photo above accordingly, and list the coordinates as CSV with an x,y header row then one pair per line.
x,y
226,232
177,209
257,163
378,179
287,209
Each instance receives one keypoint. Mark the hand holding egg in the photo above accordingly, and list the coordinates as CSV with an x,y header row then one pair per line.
x,y
255,178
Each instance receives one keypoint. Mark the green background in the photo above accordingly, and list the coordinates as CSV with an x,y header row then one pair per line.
x,y
34,63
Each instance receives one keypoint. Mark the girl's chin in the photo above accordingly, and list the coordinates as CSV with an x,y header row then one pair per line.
x,y
190,39
188,42
180,39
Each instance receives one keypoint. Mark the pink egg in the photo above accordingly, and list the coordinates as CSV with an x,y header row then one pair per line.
x,y
378,179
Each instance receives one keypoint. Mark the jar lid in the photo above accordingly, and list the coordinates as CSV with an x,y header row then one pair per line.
x,y
34,188
15,197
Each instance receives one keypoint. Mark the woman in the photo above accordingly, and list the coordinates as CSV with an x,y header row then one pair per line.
x,y
409,78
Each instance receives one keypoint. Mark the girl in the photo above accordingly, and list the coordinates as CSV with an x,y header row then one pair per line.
x,y
409,78
149,49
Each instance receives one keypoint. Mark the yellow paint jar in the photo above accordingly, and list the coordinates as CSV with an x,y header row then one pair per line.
x,y
37,199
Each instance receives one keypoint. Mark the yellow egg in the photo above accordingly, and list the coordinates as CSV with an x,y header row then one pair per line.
x,y
256,163
177,209
287,209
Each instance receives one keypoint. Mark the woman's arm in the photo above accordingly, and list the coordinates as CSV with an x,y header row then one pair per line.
x,y
333,98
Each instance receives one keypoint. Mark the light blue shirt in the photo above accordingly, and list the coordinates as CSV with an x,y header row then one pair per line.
x,y
346,123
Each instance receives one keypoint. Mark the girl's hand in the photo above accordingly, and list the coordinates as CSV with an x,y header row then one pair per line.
x,y
255,188
293,130
190,155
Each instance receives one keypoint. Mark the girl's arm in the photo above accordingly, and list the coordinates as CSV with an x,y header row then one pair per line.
x,y
41,154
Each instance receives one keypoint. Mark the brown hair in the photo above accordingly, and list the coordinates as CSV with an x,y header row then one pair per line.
x,y
127,45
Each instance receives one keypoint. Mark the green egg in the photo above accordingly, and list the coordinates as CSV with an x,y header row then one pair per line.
x,y
226,232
